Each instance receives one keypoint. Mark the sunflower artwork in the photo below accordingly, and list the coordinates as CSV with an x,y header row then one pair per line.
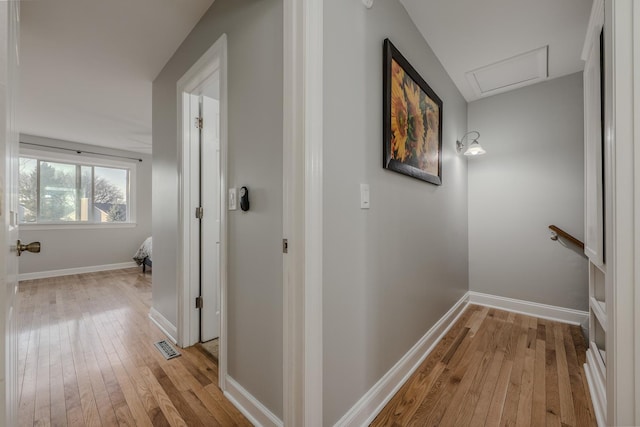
x,y
412,120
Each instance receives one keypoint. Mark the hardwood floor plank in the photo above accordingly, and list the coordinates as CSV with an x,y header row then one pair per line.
x,y
512,402
136,407
525,401
551,378
42,413
484,402
446,410
202,413
431,398
452,407
73,404
100,394
58,404
168,409
567,415
499,393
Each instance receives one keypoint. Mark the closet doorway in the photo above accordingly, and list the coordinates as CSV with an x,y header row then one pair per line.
x,y
202,133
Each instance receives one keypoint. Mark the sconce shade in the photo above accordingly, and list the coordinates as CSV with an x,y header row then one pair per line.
x,y
473,148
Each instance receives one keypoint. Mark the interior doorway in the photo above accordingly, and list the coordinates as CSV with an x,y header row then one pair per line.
x,y
209,163
202,241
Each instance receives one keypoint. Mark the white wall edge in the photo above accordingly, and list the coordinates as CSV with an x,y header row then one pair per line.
x,y
543,311
596,390
594,26
165,326
78,270
256,412
370,405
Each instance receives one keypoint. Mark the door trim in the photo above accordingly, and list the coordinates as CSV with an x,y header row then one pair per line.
x,y
9,78
302,212
192,82
622,136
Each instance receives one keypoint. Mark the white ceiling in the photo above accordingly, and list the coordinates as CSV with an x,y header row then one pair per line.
x,y
87,66
469,34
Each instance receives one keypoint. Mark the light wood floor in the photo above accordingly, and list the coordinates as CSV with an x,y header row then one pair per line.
x,y
497,368
86,357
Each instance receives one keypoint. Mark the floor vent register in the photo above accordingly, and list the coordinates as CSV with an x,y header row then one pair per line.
x,y
166,349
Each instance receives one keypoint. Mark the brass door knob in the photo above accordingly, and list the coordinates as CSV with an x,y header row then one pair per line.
x,y
31,247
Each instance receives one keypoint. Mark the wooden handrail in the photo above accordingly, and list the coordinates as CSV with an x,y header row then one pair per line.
x,y
569,237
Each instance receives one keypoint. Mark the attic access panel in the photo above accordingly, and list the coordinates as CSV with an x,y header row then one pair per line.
x,y
512,73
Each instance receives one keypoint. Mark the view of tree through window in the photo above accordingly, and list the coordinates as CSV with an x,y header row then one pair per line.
x,y
58,192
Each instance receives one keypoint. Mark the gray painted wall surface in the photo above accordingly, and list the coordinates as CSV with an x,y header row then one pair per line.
x,y
392,271
73,248
255,55
531,177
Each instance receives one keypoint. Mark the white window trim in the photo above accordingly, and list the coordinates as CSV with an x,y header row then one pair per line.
x,y
82,159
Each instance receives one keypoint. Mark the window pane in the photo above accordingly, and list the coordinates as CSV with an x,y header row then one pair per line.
x,y
110,194
61,191
57,192
28,183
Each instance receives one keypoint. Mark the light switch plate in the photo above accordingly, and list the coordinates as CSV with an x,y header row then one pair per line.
x,y
364,196
233,199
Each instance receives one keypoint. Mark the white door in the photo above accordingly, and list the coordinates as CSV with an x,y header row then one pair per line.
x,y
210,225
8,213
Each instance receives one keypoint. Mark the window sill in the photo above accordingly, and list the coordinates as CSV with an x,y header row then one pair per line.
x,y
30,227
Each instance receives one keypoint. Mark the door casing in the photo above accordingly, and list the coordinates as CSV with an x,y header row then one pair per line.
x,y
192,83
9,24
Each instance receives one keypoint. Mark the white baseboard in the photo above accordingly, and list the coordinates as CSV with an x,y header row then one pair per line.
x,y
544,311
78,270
256,412
165,326
368,407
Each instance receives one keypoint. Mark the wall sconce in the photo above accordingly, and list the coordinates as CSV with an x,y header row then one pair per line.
x,y
367,3
473,148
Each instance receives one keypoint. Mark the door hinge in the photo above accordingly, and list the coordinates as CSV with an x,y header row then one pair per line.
x,y
285,246
199,122
198,302
199,212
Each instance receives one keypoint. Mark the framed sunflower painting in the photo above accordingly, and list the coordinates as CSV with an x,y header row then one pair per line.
x,y
412,120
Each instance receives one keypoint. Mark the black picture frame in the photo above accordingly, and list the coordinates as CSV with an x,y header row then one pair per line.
x,y
412,144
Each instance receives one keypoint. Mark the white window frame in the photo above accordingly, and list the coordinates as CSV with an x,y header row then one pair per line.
x,y
87,160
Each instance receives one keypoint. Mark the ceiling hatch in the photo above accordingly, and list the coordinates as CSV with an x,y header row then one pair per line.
x,y
518,71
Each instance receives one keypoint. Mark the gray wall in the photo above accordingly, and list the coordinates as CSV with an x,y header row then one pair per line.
x,y
255,57
531,177
392,271
73,248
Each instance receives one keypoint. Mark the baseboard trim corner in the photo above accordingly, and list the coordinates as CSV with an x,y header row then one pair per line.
x,y
258,414
164,325
544,311
77,270
370,405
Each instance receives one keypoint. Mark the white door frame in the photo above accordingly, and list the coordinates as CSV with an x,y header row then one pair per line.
x,y
10,28
302,212
193,82
622,136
